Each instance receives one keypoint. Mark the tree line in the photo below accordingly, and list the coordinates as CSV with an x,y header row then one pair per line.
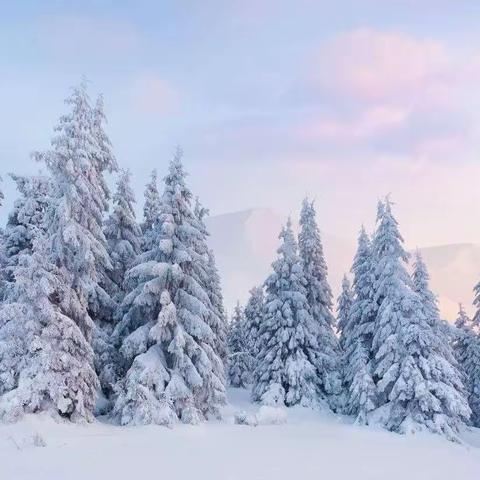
x,y
387,359
101,314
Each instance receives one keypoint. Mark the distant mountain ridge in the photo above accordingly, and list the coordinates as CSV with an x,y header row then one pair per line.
x,y
245,245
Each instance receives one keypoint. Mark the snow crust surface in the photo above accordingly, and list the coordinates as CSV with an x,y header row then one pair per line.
x,y
310,445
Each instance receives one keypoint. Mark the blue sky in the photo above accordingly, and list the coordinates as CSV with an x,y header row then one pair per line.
x,y
271,100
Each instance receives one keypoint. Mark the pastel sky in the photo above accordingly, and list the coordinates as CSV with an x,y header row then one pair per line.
x,y
345,101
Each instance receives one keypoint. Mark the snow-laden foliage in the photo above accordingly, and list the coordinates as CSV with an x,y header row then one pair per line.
x,y
254,310
421,280
151,208
123,234
102,161
356,336
467,353
319,298
418,387
215,295
428,300
26,218
102,157
2,197
183,371
344,305
46,364
80,156
286,372
78,245
211,284
239,359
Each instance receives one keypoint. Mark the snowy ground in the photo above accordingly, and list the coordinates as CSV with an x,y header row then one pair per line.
x,y
309,446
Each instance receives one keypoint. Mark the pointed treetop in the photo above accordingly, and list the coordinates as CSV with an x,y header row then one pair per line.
x,y
289,246
420,274
176,171
388,240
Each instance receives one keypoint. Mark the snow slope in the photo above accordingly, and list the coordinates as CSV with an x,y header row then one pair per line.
x,y
309,446
245,243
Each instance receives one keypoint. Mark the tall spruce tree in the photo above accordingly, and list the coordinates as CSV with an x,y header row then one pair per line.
x,y
177,367
239,360
77,244
356,336
419,388
286,372
319,298
467,352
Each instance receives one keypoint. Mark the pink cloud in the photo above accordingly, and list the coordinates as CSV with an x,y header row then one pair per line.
x,y
389,83
373,66
368,124
152,94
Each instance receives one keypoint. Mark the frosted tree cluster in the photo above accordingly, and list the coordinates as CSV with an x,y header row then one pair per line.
x,y
286,373
173,359
96,315
399,370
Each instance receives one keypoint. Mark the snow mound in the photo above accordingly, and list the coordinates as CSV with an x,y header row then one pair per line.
x,y
268,415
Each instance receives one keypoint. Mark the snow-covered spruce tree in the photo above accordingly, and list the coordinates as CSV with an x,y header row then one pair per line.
x,y
254,311
467,352
76,239
286,372
1,193
319,298
81,156
102,160
344,305
124,238
214,291
176,367
46,364
239,361
151,209
419,388
211,283
26,218
421,279
123,234
356,336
